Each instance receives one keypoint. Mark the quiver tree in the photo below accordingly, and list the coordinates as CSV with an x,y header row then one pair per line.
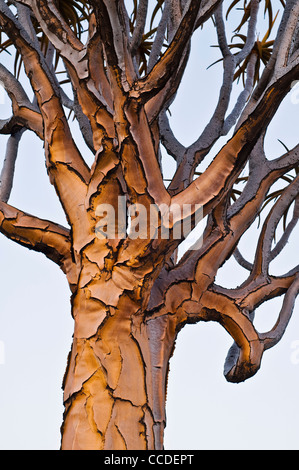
x,y
131,293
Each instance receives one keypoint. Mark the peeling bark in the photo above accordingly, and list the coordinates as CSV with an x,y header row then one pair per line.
x,y
131,295
105,410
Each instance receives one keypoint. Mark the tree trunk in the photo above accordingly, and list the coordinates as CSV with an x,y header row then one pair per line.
x,y
115,383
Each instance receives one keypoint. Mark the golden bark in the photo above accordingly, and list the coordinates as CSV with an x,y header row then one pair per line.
x,y
115,383
130,298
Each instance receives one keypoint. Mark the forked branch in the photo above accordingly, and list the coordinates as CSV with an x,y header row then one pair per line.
x,y
64,161
168,65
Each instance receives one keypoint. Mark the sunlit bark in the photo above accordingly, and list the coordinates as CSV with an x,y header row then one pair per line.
x,y
130,295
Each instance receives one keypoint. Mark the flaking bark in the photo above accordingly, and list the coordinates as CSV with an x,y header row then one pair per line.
x,y
130,296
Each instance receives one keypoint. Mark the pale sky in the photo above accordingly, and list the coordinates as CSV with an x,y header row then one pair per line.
x,y
203,410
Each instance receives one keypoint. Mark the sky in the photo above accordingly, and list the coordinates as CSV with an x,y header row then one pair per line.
x,y
204,412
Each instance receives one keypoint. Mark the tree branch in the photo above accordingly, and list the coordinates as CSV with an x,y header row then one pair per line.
x,y
231,120
162,100
247,361
175,17
96,64
286,40
217,180
140,25
8,170
144,163
77,62
206,11
65,164
159,38
196,152
169,63
272,337
59,33
171,144
25,114
251,32
287,232
263,252
112,28
242,261
36,234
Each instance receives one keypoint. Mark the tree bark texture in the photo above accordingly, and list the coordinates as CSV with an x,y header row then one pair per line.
x,y
115,384
130,295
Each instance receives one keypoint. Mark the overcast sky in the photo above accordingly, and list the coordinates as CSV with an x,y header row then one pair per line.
x,y
203,410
